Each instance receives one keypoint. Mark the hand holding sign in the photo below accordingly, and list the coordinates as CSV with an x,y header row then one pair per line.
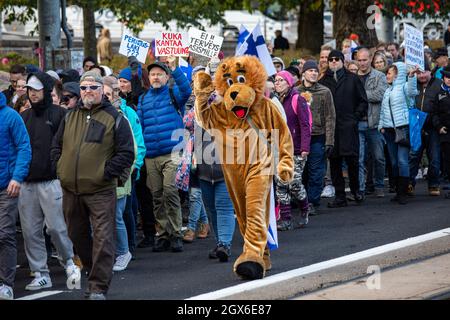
x,y
171,60
133,63
414,71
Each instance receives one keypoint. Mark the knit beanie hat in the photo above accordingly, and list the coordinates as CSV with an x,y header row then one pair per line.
x,y
286,75
310,64
336,54
126,73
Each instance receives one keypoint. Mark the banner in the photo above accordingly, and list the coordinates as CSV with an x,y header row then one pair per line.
x,y
414,55
172,44
132,46
204,44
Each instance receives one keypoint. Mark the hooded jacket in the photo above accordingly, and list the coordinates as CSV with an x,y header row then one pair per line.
x,y
15,151
93,149
398,97
42,121
441,113
323,113
426,98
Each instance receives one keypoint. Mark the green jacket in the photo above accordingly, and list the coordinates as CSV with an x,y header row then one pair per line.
x,y
93,150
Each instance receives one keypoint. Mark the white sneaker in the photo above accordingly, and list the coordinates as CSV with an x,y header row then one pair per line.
x,y
122,262
73,273
39,282
328,192
6,292
419,174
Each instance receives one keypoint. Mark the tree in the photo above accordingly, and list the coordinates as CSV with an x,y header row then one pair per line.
x,y
310,25
351,16
185,12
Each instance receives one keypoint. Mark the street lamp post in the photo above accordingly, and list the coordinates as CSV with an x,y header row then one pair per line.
x,y
49,20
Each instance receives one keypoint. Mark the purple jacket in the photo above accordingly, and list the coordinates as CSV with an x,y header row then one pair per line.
x,y
298,123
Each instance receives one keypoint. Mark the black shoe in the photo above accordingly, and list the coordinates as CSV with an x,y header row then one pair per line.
x,y
337,204
223,253
161,244
213,253
146,242
359,198
176,244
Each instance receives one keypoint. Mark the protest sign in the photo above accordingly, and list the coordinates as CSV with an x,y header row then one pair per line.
x,y
172,44
204,44
132,46
414,55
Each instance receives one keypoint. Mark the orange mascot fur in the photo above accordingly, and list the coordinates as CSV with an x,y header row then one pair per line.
x,y
246,126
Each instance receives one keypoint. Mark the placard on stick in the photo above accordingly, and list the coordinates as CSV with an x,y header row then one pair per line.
x,y
204,44
414,55
132,46
172,44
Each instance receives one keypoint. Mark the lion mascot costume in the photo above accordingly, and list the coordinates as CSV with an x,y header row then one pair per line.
x,y
246,127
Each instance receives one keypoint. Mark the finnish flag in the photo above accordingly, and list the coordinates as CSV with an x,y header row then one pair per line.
x,y
255,45
243,33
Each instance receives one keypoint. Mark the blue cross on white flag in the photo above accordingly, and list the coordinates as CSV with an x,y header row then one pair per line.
x,y
243,33
255,45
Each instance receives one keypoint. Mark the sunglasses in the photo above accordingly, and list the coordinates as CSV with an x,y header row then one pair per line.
x,y
93,88
66,98
334,59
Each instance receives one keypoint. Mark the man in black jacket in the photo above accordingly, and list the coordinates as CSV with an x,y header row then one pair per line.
x,y
441,119
429,88
40,199
350,101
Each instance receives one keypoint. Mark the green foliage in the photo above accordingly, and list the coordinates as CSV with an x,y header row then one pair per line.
x,y
16,58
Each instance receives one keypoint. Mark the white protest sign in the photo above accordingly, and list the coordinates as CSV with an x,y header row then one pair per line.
x,y
204,44
414,55
132,46
172,44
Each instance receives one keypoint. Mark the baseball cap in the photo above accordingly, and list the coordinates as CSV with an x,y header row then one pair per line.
x,y
159,65
91,74
34,83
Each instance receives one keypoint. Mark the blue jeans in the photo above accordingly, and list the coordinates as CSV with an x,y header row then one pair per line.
x,y
130,217
122,237
197,211
430,141
315,169
220,209
398,154
371,140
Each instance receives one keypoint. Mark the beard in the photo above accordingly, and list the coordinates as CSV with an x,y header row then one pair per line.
x,y
88,102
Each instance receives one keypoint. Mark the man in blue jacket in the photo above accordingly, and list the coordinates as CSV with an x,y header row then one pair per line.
x,y
160,110
15,158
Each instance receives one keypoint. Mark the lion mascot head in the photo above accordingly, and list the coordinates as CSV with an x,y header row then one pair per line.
x,y
240,81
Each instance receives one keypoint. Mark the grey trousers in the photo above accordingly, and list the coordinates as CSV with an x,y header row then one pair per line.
x,y
39,203
166,200
8,249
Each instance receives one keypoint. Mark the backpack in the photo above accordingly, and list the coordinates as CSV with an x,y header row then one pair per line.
x,y
295,108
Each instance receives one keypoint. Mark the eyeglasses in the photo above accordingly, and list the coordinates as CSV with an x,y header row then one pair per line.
x,y
333,59
93,88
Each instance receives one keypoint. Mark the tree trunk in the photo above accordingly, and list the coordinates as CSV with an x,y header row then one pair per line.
x,y
89,40
310,25
351,17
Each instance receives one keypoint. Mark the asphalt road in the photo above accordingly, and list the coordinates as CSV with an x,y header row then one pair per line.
x,y
332,234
